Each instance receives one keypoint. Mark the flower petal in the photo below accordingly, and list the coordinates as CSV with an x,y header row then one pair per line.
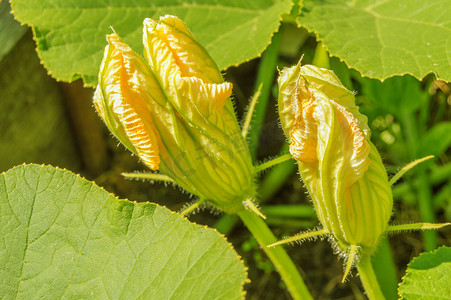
x,y
190,56
208,97
122,95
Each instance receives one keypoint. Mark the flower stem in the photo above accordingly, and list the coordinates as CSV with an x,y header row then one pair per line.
x,y
416,226
368,278
192,207
276,177
272,162
407,168
265,75
250,112
385,270
300,237
148,176
277,254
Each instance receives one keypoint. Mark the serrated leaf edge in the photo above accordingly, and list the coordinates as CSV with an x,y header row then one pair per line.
x,y
245,268
83,77
400,294
381,79
41,60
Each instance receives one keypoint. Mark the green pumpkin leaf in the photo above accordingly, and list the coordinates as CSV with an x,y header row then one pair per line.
x,y
65,237
70,35
384,38
428,276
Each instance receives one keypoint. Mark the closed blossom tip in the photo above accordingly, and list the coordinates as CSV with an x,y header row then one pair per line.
x,y
173,110
170,37
340,166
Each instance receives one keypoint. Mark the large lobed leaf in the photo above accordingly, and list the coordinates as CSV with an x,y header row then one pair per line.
x,y
64,237
70,35
428,276
385,38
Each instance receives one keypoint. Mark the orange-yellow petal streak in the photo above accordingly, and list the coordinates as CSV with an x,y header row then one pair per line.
x,y
125,85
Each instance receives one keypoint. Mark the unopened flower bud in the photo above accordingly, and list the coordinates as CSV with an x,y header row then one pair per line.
x,y
341,168
175,113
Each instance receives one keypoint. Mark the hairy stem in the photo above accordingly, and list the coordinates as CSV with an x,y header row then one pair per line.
x,y
385,269
272,162
192,207
299,237
416,226
368,278
407,168
277,255
265,75
148,176
250,112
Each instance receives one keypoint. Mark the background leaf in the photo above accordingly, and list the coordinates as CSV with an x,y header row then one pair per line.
x,y
428,276
384,38
389,105
396,95
70,35
10,30
436,141
65,237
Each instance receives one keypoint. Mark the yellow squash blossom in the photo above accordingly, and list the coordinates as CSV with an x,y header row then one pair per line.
x,y
340,166
173,110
